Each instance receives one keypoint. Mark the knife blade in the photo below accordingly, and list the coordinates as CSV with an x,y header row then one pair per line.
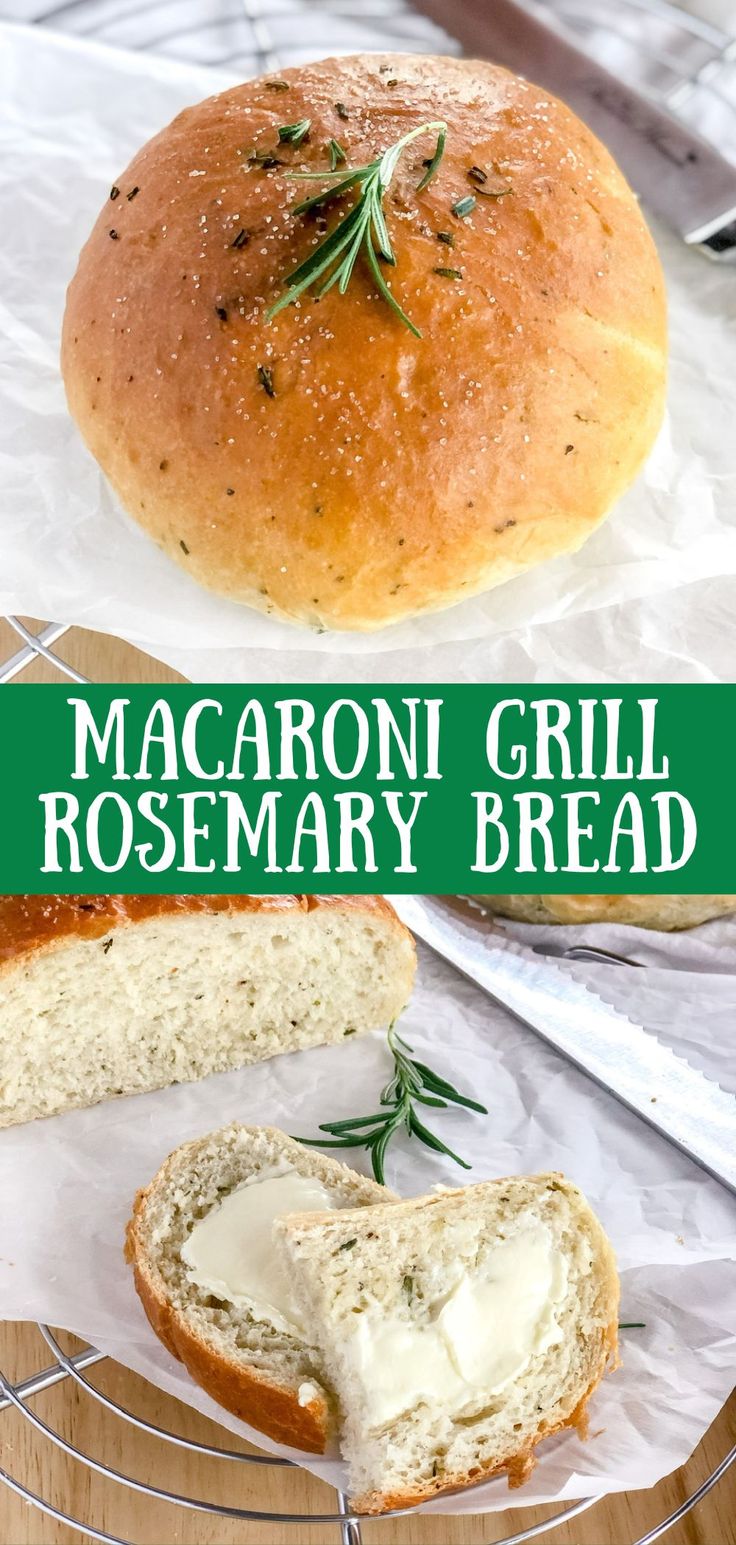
x,y
678,1101
679,175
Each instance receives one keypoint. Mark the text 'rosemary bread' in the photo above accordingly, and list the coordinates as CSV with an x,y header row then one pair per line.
x,y
457,1330
325,463
207,1273
110,995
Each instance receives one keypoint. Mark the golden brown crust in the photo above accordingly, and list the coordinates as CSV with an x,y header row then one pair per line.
x,y
386,476
29,923
244,1391
667,913
519,1467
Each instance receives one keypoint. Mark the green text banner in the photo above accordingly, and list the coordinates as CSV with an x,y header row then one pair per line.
x,y
414,788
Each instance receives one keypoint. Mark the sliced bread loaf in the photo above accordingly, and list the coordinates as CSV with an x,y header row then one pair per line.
x,y
457,1330
109,995
207,1215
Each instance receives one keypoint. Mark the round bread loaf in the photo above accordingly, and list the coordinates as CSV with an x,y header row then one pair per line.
x,y
666,913
327,465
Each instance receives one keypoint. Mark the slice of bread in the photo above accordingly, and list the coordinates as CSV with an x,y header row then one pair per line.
x,y
385,1287
111,995
266,1376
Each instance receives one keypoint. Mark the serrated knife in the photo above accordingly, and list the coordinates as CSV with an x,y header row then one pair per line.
x,y
678,1101
681,176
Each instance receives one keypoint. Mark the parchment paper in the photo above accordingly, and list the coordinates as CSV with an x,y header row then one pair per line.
x,y
709,948
72,114
66,1187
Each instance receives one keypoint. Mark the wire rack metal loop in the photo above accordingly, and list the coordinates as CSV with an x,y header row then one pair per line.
x,y
73,1369
17,1396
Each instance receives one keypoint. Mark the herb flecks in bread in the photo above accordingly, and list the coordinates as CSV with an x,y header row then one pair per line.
x,y
457,1330
110,995
553,335
264,1370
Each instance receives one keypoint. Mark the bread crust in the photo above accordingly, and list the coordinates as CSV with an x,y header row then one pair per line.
x,y
246,1392
518,1466
32,923
666,913
369,476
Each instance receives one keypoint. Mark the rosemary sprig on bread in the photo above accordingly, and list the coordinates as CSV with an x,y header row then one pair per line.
x,y
413,1083
363,229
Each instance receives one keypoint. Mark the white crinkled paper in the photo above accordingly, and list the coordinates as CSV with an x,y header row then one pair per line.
x,y
71,116
708,948
67,1184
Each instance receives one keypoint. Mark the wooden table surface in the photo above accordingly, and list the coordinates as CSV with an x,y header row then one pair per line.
x,y
73,1488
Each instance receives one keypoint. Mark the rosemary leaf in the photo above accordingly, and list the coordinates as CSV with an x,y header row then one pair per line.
x,y
265,376
432,1141
352,1123
320,260
440,1086
464,206
359,1139
378,1154
294,133
364,229
412,1084
328,1142
384,290
380,229
485,188
265,160
335,191
468,1104
435,161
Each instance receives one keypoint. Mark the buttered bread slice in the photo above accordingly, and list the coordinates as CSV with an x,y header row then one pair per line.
x,y
212,1285
457,1329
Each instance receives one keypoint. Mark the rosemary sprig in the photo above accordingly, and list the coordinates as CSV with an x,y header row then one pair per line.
x,y
362,229
413,1083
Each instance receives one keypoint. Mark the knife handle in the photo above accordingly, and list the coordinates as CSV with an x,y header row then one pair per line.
x,y
681,177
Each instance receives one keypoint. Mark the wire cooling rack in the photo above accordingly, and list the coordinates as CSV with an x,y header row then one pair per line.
x,y
687,63
342,1523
